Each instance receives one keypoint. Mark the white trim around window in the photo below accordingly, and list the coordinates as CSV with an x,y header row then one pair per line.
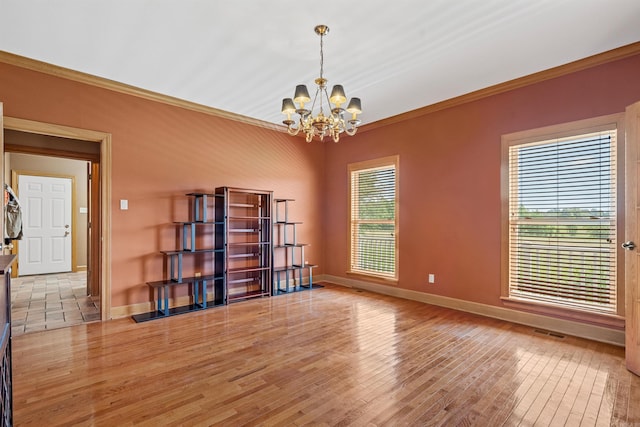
x,y
373,218
562,219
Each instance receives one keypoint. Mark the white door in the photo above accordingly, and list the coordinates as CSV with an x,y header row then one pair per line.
x,y
46,225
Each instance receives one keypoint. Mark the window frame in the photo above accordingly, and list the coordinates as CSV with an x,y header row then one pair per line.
x,y
352,168
576,128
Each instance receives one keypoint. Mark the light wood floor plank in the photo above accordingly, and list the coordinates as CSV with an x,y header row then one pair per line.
x,y
449,403
332,356
534,399
498,394
568,365
474,387
572,390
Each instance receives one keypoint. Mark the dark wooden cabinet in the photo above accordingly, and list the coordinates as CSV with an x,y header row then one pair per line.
x,y
6,386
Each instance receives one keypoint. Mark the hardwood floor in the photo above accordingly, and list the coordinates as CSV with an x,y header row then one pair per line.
x,y
333,356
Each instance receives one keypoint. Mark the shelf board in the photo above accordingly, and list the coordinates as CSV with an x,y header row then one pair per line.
x,y
291,245
294,267
245,280
246,295
199,222
246,270
201,194
243,230
169,282
176,310
288,222
246,218
196,251
246,255
240,244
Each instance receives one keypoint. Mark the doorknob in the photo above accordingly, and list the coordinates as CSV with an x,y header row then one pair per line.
x,y
66,233
629,245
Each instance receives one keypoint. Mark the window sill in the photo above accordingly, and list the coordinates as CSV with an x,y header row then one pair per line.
x,y
373,278
598,319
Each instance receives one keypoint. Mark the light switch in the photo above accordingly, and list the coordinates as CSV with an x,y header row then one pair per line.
x,y
124,204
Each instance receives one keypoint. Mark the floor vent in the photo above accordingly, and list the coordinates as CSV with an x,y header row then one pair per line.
x,y
549,333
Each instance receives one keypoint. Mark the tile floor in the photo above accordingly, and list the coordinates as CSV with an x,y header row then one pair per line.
x,y
51,301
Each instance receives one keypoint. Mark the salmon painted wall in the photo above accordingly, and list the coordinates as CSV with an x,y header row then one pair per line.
x,y
161,152
450,207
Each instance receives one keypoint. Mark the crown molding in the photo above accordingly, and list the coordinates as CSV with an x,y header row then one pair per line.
x,y
559,71
562,70
103,83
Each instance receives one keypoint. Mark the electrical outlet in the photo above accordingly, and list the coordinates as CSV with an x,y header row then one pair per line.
x,y
432,278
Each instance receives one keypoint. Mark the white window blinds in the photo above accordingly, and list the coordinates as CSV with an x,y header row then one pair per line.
x,y
562,221
373,219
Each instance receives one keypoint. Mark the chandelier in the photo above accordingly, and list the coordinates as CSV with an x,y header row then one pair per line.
x,y
333,123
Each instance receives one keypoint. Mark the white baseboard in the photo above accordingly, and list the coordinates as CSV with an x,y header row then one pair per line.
x,y
568,327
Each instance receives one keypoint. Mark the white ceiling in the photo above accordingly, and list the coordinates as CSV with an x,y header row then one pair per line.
x,y
244,56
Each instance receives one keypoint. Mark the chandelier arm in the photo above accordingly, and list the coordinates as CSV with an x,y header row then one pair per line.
x,y
293,131
351,131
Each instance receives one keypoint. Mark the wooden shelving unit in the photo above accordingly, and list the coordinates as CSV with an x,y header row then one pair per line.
x,y
199,284
293,256
247,242
239,259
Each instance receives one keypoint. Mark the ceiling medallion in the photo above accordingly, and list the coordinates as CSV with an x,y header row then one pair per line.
x,y
333,123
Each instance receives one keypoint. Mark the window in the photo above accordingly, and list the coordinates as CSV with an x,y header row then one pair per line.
x,y
561,201
374,217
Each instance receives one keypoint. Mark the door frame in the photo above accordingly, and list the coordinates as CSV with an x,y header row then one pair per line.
x,y
15,175
632,256
100,259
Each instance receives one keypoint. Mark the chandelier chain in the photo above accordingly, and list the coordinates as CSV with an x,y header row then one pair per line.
x,y
321,57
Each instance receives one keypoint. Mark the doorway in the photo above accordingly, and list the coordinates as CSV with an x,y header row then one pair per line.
x,y
50,287
94,148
